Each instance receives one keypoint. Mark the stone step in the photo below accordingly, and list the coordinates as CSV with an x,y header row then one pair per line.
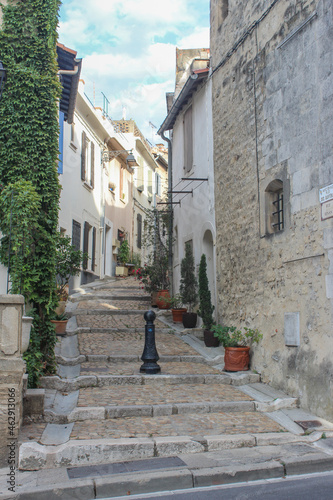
x,y
102,358
35,455
155,475
100,413
73,384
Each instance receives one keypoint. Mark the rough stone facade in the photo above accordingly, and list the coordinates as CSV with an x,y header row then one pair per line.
x,y
273,122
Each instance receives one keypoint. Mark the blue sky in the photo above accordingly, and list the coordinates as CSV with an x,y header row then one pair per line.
x,y
128,49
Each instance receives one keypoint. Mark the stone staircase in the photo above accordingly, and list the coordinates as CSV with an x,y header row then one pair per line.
x,y
100,409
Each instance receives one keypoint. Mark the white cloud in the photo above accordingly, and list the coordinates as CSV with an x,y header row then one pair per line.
x,y
117,41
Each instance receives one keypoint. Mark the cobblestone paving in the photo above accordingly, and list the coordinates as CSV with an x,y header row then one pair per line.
x,y
138,395
176,425
117,321
174,368
126,343
114,304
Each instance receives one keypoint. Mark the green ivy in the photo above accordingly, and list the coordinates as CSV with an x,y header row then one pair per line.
x,y
29,132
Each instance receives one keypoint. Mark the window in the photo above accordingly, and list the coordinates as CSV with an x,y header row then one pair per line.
x,y
188,140
139,230
87,160
274,207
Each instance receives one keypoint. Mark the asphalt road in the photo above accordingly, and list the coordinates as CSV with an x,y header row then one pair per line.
x,y
307,487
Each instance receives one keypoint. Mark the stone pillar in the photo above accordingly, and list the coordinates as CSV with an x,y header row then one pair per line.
x,y
12,369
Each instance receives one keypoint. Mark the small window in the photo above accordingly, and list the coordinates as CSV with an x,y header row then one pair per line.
x,y
274,207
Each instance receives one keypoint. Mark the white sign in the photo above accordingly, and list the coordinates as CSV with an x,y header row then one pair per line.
x,y
326,194
327,210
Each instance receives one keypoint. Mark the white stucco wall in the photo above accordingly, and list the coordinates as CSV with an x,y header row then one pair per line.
x,y
195,216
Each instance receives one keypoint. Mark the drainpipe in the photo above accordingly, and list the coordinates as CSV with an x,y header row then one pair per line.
x,y
170,259
70,72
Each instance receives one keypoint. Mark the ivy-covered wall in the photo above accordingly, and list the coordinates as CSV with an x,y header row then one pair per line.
x,y
29,152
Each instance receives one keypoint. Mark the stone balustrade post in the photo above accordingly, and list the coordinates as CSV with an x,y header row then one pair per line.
x,y
12,369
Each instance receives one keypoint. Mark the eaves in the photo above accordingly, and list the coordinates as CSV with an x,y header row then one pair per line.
x,y
191,85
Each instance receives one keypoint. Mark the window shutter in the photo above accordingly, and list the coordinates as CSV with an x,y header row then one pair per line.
x,y
83,156
139,228
188,140
92,180
76,235
86,244
93,258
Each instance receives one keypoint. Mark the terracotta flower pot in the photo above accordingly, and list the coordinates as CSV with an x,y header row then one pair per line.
x,y
60,326
210,340
236,359
161,299
177,314
190,320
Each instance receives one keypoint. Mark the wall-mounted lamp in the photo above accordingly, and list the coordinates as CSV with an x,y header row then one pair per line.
x,y
3,77
130,160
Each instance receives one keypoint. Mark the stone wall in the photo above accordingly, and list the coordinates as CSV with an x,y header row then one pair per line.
x,y
273,120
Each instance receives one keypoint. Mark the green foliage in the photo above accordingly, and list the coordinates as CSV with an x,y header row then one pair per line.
x,y
229,336
19,208
29,132
68,263
124,252
188,282
206,307
175,302
39,357
136,260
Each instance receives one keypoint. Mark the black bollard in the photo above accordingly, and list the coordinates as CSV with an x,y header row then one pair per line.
x,y
150,355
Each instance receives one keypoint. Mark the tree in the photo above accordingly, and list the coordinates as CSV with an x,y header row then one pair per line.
x,y
206,307
188,282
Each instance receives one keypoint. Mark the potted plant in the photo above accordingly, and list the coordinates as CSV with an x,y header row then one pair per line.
x,y
237,344
123,258
175,303
188,288
60,323
68,264
206,307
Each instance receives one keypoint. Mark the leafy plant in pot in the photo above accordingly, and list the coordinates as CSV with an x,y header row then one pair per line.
x,y
68,264
237,344
206,307
123,258
175,303
188,288
60,323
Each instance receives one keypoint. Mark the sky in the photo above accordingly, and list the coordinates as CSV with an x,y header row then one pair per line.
x,y
128,50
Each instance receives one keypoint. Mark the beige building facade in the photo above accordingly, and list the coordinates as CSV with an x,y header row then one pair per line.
x,y
272,82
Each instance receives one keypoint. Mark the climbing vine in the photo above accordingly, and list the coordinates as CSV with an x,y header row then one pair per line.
x,y
29,152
